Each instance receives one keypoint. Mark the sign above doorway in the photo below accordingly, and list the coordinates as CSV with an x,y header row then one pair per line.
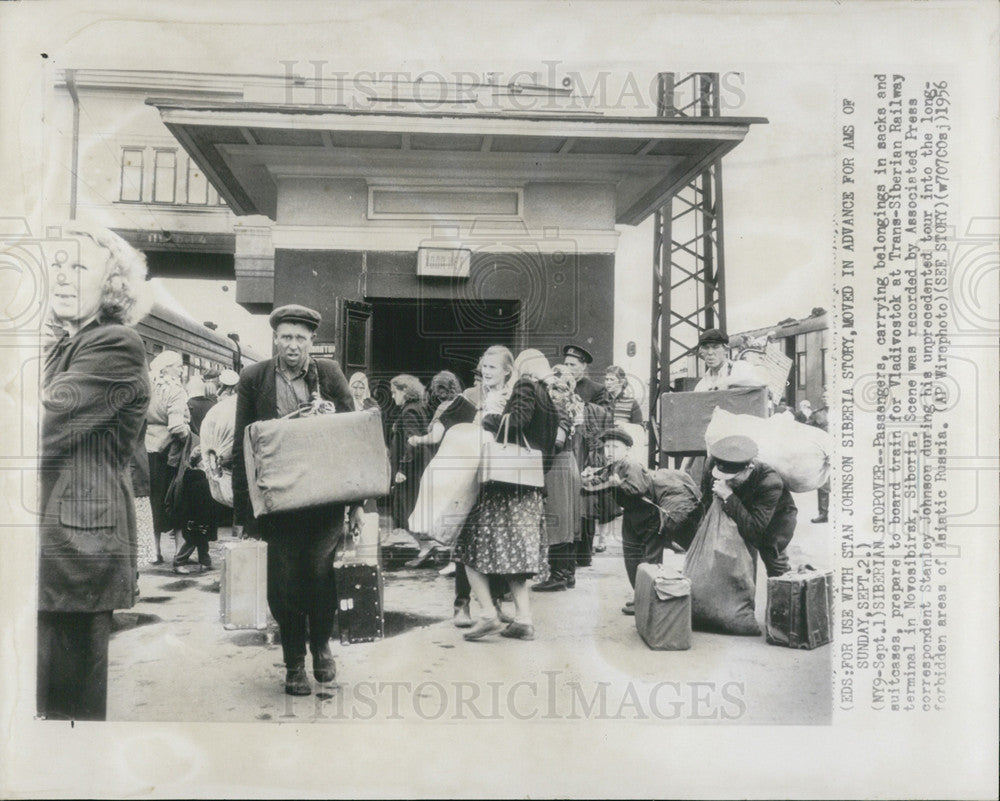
x,y
443,262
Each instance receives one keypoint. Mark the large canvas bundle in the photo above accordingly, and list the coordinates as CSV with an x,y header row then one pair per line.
x,y
723,576
799,453
450,484
302,462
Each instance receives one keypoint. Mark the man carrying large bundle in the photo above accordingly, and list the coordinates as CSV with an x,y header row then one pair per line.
x,y
754,496
301,591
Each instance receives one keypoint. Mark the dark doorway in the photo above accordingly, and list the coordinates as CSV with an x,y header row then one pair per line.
x,y
422,337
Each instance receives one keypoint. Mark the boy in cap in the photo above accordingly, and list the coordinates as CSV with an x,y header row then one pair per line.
x,y
577,358
301,591
754,496
720,371
642,540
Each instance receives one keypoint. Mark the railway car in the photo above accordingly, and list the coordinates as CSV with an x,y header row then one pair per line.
x,y
199,346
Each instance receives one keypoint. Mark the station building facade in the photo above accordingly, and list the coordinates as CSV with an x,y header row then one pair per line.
x,y
421,235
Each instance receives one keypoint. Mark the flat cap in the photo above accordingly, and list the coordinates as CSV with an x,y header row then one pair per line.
x,y
732,454
210,374
712,336
619,434
581,353
229,378
164,359
293,313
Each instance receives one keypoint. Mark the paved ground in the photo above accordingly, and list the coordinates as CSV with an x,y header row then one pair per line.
x,y
171,660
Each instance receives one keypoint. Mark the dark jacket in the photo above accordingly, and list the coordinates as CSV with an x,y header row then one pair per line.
x,y
257,400
95,391
199,406
762,507
532,414
412,420
590,391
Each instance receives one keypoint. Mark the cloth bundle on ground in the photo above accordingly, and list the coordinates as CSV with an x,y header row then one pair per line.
x,y
450,484
799,453
299,463
677,496
722,570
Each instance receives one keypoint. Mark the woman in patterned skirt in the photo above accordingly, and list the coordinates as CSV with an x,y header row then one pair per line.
x,y
502,535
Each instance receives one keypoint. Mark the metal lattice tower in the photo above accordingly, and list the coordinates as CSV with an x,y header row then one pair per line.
x,y
688,277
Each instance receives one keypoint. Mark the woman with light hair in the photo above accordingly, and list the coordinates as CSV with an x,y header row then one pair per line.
x,y
503,532
167,431
94,396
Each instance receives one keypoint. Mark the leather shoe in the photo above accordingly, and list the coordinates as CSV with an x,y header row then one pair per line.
x,y
519,631
463,619
296,681
820,519
483,628
324,668
570,582
550,585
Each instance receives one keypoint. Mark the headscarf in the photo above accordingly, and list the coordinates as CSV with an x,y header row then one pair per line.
x,y
532,364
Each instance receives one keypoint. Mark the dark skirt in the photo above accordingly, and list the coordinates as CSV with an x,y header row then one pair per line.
x,y
160,476
562,500
502,534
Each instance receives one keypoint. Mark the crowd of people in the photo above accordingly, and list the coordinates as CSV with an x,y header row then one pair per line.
x,y
124,442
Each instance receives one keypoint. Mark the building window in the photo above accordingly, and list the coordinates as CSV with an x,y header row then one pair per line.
x,y
197,185
822,368
800,370
165,176
131,178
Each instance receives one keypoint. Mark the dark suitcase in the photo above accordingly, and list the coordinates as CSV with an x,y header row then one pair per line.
x,y
800,609
360,603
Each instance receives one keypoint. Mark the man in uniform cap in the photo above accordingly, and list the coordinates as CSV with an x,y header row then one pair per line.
x,y
720,371
754,496
577,358
300,585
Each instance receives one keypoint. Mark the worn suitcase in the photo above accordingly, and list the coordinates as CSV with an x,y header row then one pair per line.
x,y
299,463
243,586
800,609
359,600
664,624
684,416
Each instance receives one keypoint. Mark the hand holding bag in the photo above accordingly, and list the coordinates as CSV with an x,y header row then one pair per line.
x,y
511,463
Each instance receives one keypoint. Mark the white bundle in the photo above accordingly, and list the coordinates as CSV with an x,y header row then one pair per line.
x,y
799,453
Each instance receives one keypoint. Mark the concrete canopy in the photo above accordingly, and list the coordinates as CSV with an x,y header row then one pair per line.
x,y
245,148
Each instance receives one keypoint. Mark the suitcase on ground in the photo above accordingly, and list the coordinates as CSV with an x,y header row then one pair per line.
x,y
664,624
243,586
799,609
359,601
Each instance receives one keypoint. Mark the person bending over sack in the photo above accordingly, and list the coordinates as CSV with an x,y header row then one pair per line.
x,y
755,498
642,540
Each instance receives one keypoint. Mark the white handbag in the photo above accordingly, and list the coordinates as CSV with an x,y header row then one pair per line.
x,y
508,462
